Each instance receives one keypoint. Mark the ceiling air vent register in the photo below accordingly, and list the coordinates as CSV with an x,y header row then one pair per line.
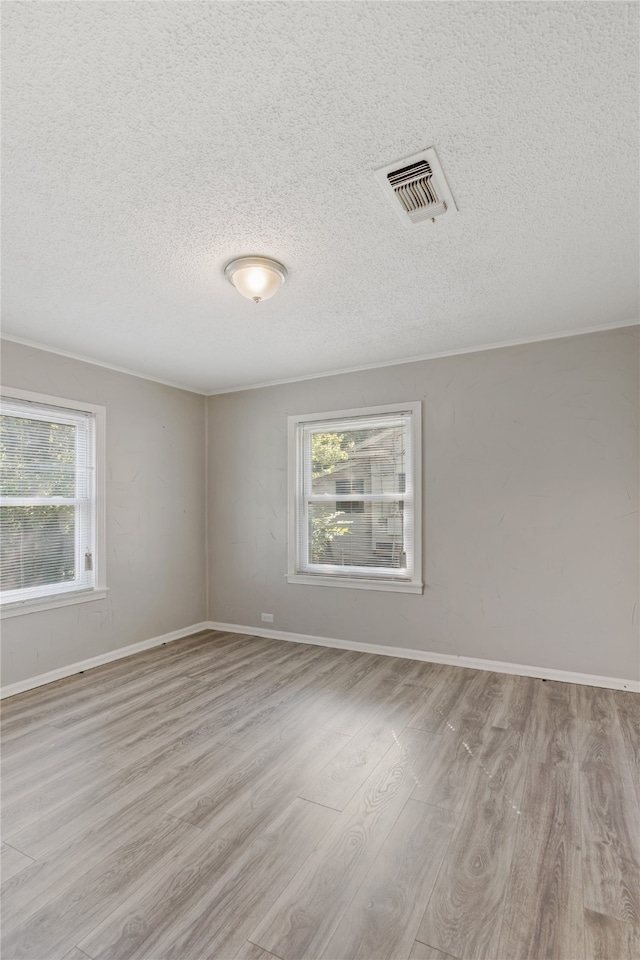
x,y
417,187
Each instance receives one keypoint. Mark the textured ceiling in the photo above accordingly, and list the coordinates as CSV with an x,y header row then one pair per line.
x,y
146,144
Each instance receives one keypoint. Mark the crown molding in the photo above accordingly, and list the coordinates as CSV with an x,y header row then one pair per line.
x,y
600,328
101,363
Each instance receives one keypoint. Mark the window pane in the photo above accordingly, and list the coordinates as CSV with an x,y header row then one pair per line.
x,y
373,538
38,458
368,460
347,488
37,546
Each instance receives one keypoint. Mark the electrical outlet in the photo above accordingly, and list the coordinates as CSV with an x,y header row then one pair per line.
x,y
266,617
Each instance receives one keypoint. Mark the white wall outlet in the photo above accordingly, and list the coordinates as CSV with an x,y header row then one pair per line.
x,y
266,617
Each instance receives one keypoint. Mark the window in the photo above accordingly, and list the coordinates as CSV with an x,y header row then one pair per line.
x,y
51,502
354,498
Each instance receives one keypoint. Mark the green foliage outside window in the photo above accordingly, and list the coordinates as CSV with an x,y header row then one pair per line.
x,y
327,451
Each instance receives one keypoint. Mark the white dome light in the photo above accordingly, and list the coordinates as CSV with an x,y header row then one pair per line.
x,y
256,278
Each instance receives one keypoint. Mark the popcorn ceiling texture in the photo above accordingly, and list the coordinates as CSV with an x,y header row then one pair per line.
x,y
146,144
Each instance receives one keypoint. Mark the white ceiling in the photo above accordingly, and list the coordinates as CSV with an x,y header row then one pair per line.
x,y
146,144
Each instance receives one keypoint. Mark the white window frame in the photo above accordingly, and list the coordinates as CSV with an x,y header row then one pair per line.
x,y
66,595
359,578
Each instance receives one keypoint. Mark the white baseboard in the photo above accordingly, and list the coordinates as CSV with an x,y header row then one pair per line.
x,y
61,672
406,653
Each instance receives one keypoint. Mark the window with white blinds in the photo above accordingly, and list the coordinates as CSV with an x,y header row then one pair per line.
x,y
354,491
48,499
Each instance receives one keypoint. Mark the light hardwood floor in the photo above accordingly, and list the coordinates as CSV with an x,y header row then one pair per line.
x,y
231,798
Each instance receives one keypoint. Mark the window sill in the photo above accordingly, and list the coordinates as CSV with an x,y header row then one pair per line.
x,y
50,603
394,586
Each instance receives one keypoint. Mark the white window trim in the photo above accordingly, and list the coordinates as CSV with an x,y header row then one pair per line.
x,y
66,598
370,582
21,607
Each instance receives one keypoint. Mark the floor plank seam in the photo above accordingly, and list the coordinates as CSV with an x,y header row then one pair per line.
x,y
271,953
580,822
519,828
8,843
435,886
443,952
632,771
374,861
317,803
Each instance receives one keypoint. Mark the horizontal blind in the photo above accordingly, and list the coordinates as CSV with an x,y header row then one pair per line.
x,y
355,498
47,500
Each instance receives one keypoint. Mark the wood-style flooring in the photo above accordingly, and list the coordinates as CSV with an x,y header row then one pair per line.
x,y
226,797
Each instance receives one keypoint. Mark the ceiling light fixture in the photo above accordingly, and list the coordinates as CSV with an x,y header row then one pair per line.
x,y
256,278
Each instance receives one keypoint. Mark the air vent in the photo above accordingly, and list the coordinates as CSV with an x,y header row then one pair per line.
x,y
417,188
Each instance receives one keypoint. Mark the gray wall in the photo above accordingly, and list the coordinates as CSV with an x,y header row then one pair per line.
x,y
155,524
530,507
